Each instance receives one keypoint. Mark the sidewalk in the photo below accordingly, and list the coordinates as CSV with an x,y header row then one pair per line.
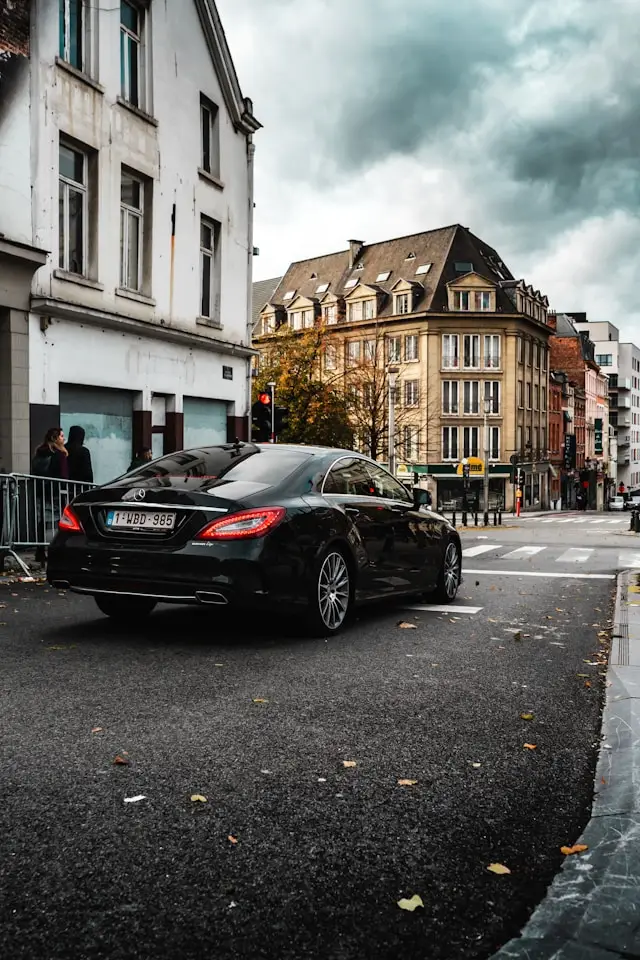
x,y
592,908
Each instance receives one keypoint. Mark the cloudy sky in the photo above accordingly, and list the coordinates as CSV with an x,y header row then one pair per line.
x,y
517,118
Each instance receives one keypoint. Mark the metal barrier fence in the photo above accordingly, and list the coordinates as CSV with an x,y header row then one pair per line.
x,y
30,508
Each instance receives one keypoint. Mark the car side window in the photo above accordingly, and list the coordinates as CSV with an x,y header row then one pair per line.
x,y
349,477
387,486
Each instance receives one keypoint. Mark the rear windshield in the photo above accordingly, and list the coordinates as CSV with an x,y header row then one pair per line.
x,y
219,465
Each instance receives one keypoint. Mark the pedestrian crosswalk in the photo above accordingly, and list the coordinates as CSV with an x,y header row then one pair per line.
x,y
625,558
589,521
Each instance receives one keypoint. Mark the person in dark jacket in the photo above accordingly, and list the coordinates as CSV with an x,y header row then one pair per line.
x,y
50,461
140,459
80,467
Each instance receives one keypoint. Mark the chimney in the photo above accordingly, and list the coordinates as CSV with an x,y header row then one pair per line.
x,y
355,247
552,320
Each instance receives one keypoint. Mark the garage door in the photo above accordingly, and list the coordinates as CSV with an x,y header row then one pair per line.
x,y
205,422
107,418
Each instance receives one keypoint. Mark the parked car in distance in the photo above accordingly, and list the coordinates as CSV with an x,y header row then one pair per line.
x,y
617,503
632,502
277,527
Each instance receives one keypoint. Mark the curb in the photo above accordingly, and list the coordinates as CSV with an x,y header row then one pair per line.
x,y
590,911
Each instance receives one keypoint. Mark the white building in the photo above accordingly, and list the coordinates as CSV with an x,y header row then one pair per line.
x,y
621,363
126,208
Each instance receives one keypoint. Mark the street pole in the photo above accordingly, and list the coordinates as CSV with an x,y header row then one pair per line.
x,y
487,453
392,374
272,385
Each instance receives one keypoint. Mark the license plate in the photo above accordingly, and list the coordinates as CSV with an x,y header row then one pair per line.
x,y
141,520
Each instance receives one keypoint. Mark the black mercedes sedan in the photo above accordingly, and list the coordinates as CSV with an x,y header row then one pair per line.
x,y
280,527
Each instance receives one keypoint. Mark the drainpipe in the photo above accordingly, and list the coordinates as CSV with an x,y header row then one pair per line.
x,y
172,260
250,155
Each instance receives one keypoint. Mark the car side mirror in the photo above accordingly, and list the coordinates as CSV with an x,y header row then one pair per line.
x,y
420,497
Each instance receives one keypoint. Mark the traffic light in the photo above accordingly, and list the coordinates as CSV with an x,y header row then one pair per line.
x,y
518,477
261,418
281,419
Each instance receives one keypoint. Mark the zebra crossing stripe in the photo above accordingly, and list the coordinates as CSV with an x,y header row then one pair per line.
x,y
476,551
522,552
575,555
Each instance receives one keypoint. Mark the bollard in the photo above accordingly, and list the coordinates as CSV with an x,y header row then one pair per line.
x,y
632,521
475,517
464,518
495,518
485,519
500,517
637,518
453,519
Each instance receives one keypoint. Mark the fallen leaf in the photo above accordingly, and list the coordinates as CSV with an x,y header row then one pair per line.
x,y
576,848
121,761
476,766
349,763
517,635
260,700
526,716
489,620
587,683
602,780
477,583
530,746
232,839
548,618
218,664
410,905
498,868
96,730
407,783
404,625
582,674
135,799
558,610
198,798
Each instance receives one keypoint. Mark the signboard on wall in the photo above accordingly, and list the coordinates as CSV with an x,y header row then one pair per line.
x,y
597,434
476,467
570,451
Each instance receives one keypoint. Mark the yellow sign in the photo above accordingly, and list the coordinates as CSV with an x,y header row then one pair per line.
x,y
476,467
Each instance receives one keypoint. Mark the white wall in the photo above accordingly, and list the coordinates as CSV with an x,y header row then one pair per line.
x,y
15,142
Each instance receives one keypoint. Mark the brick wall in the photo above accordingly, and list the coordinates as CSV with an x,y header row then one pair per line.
x,y
14,27
566,355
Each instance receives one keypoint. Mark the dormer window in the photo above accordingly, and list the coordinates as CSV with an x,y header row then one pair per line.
x,y
361,310
330,313
301,319
410,256
322,288
359,266
383,277
463,266
351,283
423,269
401,303
269,324
483,300
289,295
461,300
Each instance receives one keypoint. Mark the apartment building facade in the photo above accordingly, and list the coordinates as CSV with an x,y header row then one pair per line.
x,y
466,342
126,206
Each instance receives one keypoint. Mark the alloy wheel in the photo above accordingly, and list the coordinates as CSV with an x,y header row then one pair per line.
x,y
451,571
333,590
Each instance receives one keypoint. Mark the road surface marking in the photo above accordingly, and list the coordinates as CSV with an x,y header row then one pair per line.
x,y
476,551
535,573
604,521
574,555
444,608
629,558
522,552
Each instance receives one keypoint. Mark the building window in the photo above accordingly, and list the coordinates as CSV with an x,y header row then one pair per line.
x,y
410,443
536,397
520,393
604,359
361,310
209,137
393,349
494,443
331,357
450,351
482,300
353,352
544,358
528,396
492,352
411,393
370,351
536,354
411,347
519,440
449,443
520,350
470,442
131,231
471,351
471,394
402,303
307,318
543,441
330,313
461,300
536,449
450,396
73,32
492,395
209,267
72,210
130,52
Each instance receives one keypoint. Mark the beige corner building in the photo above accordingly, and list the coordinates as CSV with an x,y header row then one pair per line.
x,y
468,343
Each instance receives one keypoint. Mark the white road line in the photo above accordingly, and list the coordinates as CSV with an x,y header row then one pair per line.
x,y
601,521
444,608
570,520
522,552
535,573
484,548
549,521
629,558
574,555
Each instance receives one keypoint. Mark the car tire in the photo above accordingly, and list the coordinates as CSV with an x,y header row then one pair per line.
x,y
330,595
124,608
449,575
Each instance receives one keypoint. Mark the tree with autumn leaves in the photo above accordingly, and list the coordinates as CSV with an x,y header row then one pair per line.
x,y
316,402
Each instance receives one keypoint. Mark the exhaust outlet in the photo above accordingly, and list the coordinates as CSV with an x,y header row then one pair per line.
x,y
203,596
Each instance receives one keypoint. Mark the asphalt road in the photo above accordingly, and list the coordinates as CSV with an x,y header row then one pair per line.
x,y
260,721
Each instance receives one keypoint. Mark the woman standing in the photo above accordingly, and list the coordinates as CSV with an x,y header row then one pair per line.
x,y
51,461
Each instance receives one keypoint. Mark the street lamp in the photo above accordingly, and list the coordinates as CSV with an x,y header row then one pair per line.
x,y
392,373
487,453
272,387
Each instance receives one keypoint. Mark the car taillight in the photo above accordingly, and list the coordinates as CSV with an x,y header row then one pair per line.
x,y
245,525
69,522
